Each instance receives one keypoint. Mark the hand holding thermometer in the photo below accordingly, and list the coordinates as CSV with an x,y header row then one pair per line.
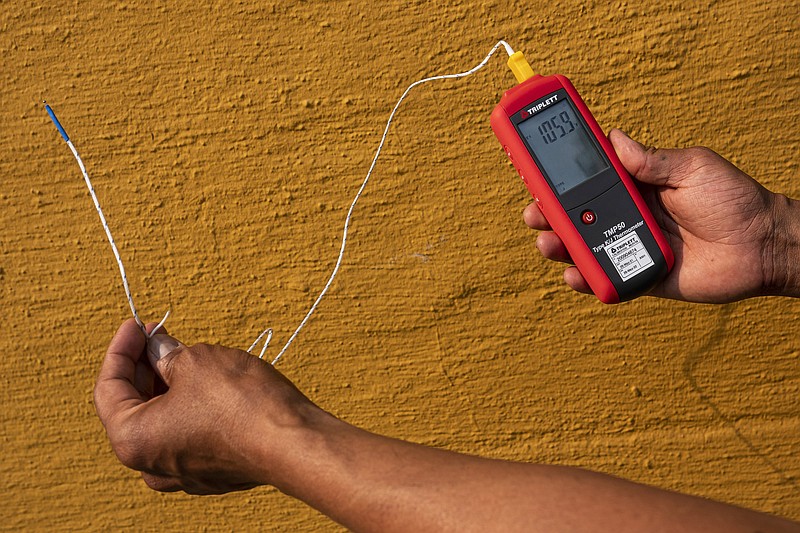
x,y
580,185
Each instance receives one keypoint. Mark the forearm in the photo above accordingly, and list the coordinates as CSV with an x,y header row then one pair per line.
x,y
373,483
782,255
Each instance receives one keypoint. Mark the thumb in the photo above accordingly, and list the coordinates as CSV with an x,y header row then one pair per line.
x,y
653,166
161,350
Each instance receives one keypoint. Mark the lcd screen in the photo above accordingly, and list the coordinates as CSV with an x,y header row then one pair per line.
x,y
565,152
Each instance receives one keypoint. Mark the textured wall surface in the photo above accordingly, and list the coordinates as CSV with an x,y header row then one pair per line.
x,y
226,142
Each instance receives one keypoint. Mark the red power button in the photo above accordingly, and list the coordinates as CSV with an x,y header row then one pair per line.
x,y
588,217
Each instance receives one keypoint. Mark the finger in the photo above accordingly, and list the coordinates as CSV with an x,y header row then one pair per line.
x,y
156,385
161,348
146,381
656,166
115,390
534,218
632,154
576,281
552,247
174,484
161,483
143,379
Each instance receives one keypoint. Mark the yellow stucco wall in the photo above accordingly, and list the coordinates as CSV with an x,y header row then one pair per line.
x,y
226,143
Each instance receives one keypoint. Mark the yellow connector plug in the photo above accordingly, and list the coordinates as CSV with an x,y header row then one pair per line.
x,y
520,67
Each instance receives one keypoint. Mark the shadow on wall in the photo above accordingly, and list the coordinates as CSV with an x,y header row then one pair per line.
x,y
715,338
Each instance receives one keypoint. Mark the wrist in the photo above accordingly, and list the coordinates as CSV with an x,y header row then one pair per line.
x,y
287,446
782,252
341,471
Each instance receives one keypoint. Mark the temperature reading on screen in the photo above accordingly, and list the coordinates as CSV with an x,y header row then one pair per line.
x,y
556,128
562,146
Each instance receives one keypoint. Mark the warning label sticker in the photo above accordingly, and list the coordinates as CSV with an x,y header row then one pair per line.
x,y
629,256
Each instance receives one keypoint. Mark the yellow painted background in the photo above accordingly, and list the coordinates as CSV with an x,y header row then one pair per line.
x,y
226,142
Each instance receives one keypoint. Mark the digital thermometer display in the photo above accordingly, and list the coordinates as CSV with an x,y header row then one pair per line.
x,y
581,187
565,151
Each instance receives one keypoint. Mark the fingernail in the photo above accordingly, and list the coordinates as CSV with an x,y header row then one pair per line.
x,y
624,133
159,345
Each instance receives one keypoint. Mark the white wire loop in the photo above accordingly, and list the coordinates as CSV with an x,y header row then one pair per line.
x,y
473,70
268,331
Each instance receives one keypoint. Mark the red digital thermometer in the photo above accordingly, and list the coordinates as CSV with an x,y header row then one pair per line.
x,y
584,192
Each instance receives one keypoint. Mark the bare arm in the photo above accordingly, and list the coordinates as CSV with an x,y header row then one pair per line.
x,y
372,483
230,421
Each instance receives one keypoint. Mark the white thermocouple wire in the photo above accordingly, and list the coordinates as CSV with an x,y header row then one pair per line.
x,y
473,70
268,332
105,227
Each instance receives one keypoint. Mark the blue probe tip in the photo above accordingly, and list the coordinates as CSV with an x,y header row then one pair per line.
x,y
55,121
